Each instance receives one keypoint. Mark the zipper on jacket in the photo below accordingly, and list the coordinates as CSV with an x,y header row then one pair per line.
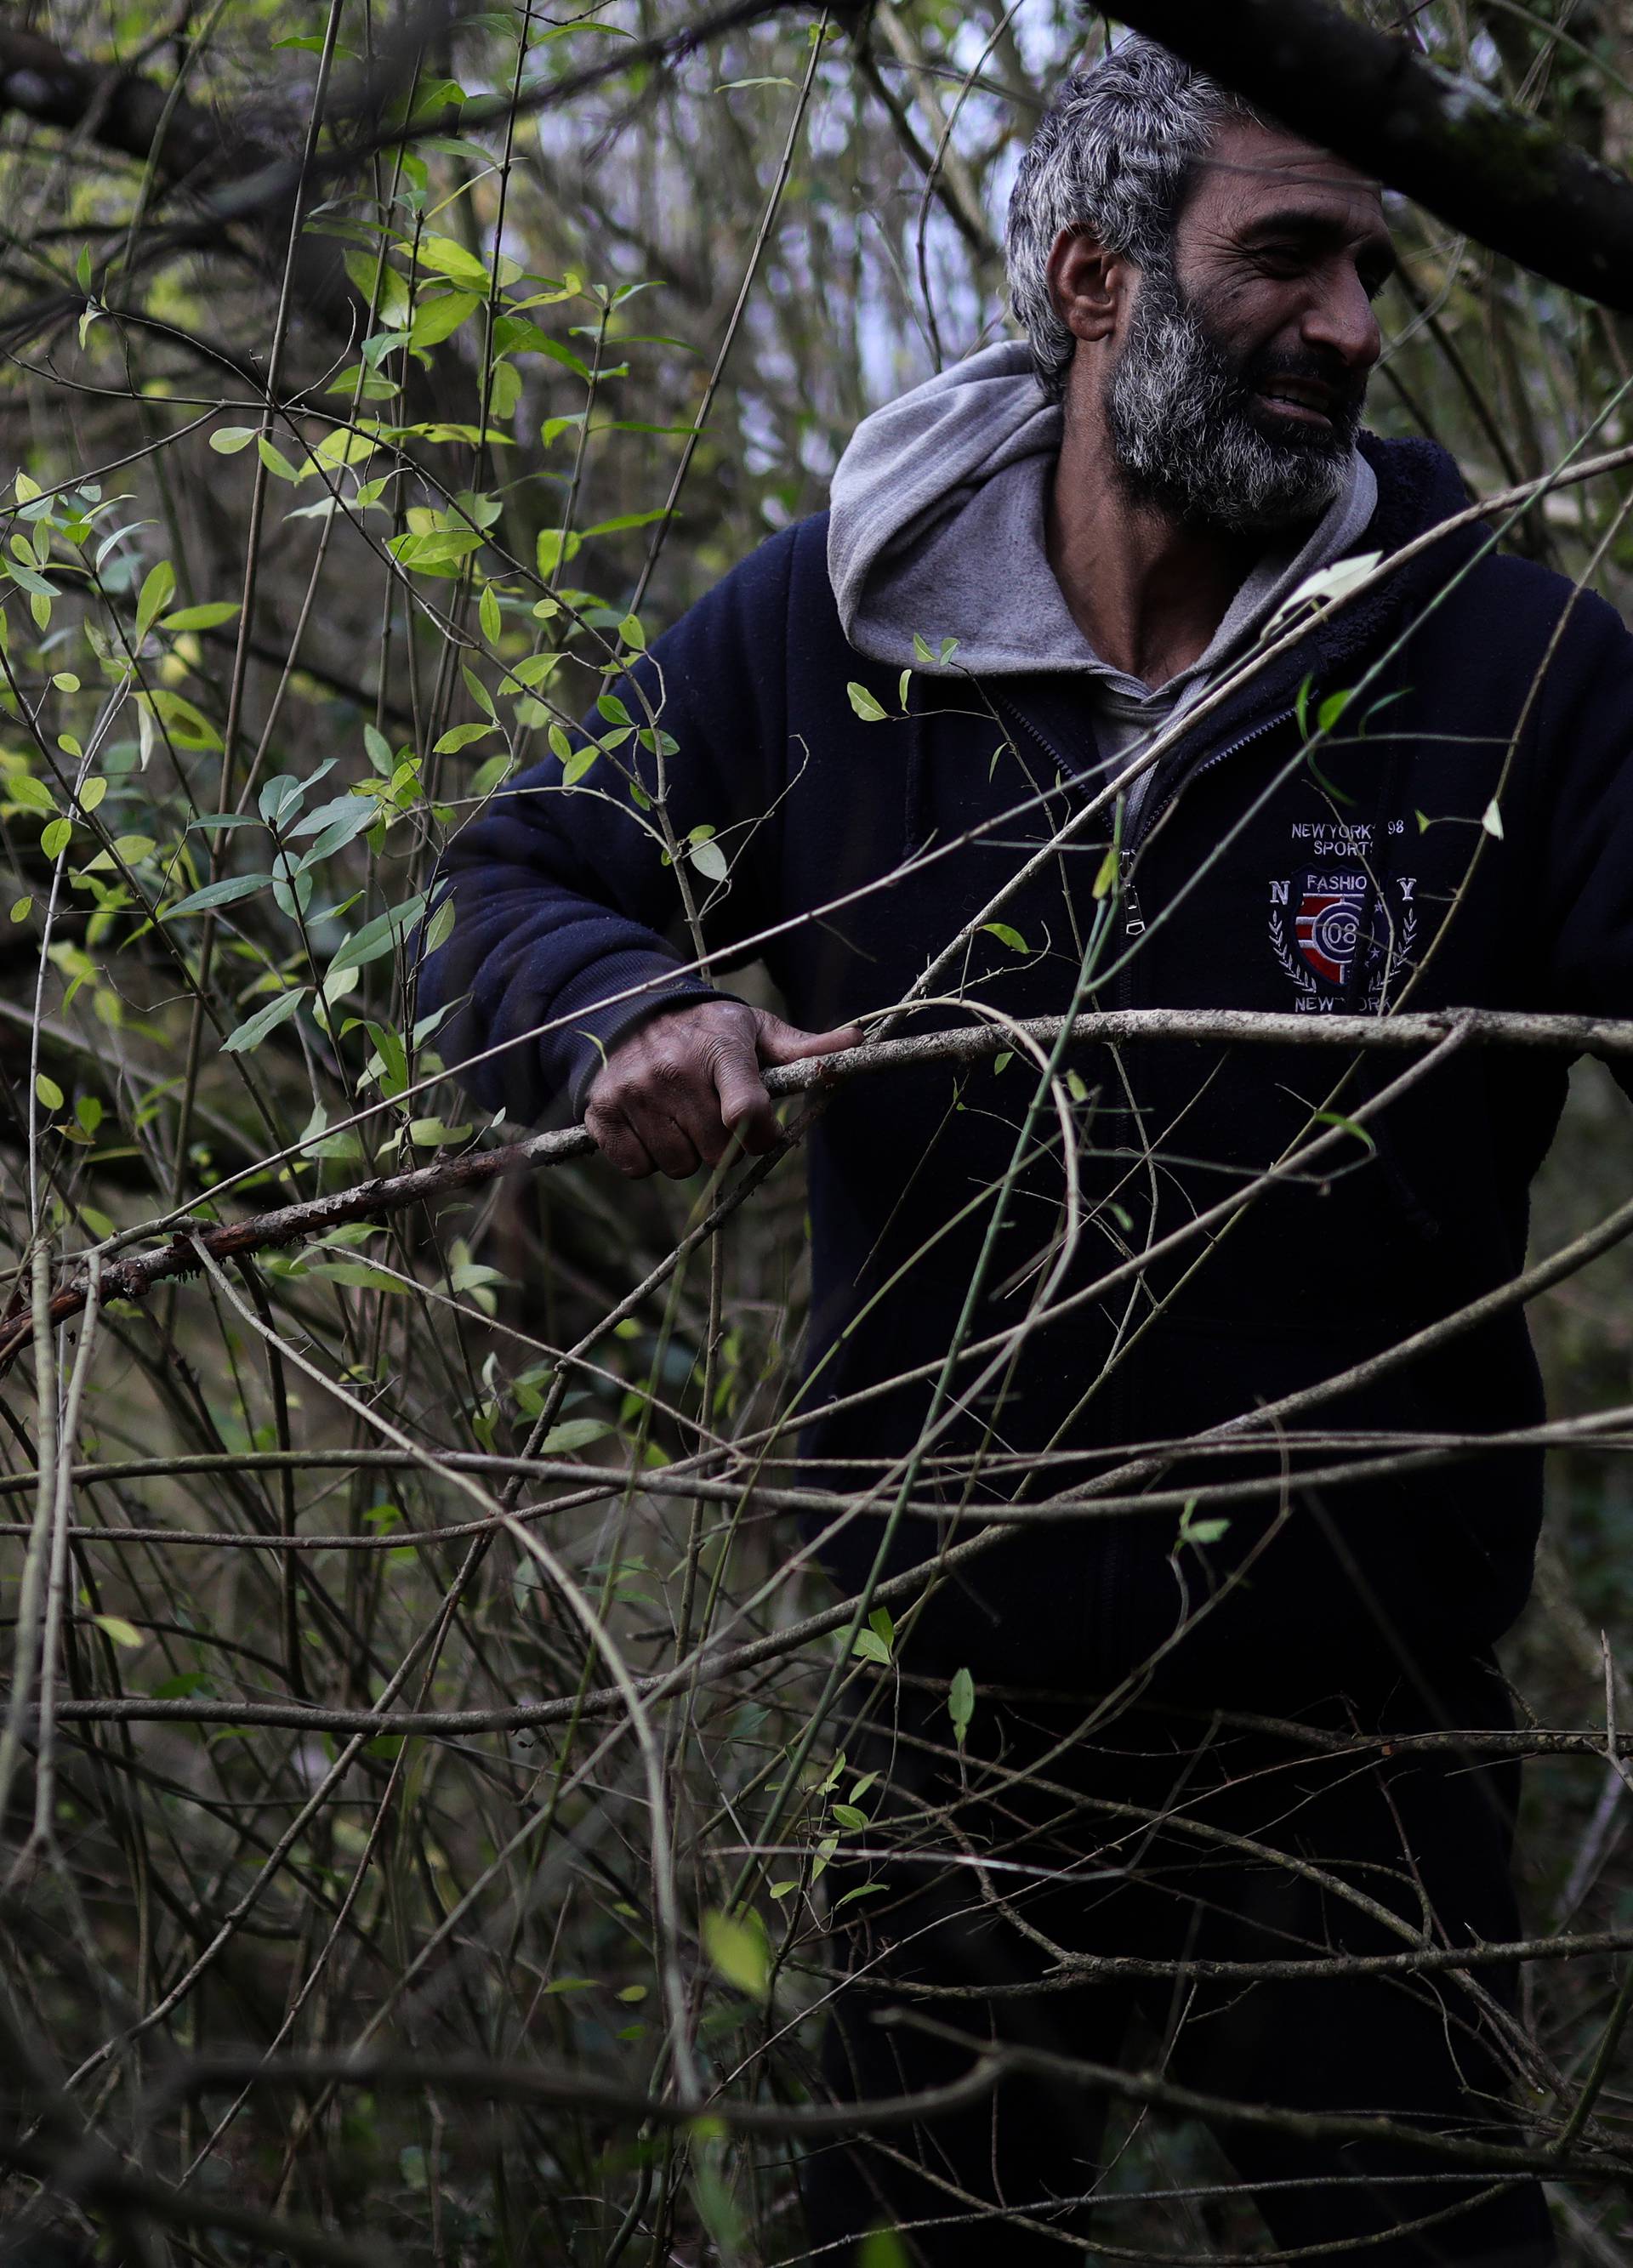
x,y
1134,920
1147,810
1141,811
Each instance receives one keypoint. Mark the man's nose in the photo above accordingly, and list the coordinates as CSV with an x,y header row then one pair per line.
x,y
1340,318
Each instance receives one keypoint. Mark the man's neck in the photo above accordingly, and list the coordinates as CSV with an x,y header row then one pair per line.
x,y
1146,593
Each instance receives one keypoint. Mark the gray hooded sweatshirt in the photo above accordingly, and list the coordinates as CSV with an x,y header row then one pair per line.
x,y
937,529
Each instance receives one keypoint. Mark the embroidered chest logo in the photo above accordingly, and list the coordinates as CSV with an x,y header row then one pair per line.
x,y
1327,925
1342,939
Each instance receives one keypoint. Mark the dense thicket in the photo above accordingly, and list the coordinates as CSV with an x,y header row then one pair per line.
x,y
374,382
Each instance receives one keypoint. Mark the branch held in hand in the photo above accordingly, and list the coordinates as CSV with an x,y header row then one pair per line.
x,y
379,1198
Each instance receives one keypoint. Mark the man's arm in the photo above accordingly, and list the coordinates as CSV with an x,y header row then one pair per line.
x,y
561,960
1581,869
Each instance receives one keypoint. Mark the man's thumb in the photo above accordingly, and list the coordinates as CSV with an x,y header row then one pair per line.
x,y
784,1043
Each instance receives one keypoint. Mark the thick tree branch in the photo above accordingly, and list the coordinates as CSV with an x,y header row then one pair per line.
x,y
119,110
1502,177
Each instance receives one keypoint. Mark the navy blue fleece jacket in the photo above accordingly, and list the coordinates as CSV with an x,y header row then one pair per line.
x,y
1363,877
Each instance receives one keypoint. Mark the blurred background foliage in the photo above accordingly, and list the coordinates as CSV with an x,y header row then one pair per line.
x,y
321,517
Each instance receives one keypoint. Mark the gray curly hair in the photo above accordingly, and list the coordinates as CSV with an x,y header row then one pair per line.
x,y
1115,150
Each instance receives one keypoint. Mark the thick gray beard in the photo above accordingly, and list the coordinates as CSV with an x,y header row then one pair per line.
x,y
1184,441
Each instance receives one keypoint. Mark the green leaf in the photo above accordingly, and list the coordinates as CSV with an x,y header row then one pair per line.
x,y
440,928
339,807
119,1629
30,794
1492,819
380,936
435,1134
881,2248
224,893
1333,707
961,1703
550,552
708,858
1005,935
200,618
361,813
249,1036
871,1647
436,552
846,1816
188,727
866,705
159,587
227,440
21,910
55,837
49,1092
1345,1125
1326,585
356,1274
460,736
1192,1530
626,519
488,614
393,1066
436,320
444,256
182,1688
739,1949
273,458
36,586
1105,880
576,1433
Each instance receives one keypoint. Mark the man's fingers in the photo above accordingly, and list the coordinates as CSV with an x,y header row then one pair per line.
x,y
745,1109
668,1143
784,1043
619,1144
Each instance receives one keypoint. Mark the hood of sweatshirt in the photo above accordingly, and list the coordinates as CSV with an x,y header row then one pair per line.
x,y
936,532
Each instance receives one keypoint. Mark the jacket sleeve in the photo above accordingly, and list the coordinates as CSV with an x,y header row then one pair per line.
x,y
1584,869
568,926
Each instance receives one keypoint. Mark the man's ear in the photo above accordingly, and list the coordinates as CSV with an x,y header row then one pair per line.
x,y
1087,284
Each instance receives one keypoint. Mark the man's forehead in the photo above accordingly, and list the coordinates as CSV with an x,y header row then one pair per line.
x,y
1262,162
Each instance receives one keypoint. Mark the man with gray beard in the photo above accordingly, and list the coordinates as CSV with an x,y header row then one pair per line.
x,y
1201,1842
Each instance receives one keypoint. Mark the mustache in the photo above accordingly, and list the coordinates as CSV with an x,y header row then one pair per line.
x,y
1346,385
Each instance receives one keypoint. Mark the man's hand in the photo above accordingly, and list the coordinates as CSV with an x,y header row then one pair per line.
x,y
685,1082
